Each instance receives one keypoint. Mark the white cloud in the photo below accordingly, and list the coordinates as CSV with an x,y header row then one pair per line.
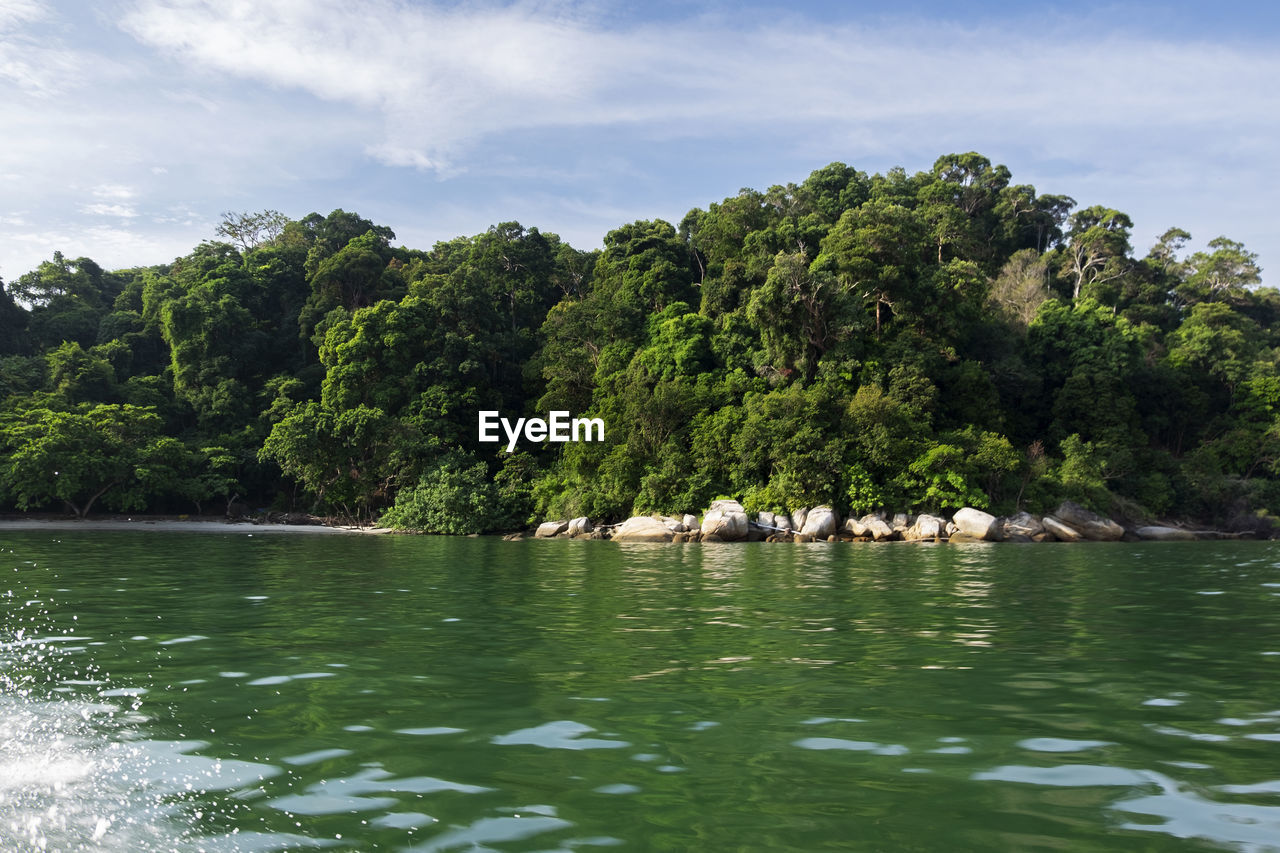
x,y
36,64
443,78
303,104
101,209
16,12
113,191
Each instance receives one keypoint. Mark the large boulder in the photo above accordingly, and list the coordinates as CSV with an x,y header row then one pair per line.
x,y
1022,524
798,517
1088,524
925,527
726,520
978,524
551,529
1156,533
782,521
877,528
1060,531
579,527
820,523
690,521
901,521
642,528
854,527
766,519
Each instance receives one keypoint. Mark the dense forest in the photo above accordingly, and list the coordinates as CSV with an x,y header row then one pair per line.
x,y
898,341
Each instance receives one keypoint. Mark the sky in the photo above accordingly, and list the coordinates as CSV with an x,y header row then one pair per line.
x,y
128,128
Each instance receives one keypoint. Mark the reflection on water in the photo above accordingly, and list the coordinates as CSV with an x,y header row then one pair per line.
x,y
434,695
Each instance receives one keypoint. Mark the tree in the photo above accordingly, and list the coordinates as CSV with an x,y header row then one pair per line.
x,y
1021,287
250,230
1220,275
13,324
799,314
85,454
1098,247
875,253
348,459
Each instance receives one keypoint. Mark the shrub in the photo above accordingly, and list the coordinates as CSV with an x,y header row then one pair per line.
x,y
454,497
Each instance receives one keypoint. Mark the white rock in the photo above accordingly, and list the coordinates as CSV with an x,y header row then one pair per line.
x,y
925,527
1061,530
726,520
642,528
1022,524
854,527
877,527
976,523
798,517
1089,524
548,529
820,522
1156,533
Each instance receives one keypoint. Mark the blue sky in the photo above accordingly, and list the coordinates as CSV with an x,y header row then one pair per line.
x,y
128,128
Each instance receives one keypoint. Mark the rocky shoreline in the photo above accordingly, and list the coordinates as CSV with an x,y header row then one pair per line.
x,y
727,521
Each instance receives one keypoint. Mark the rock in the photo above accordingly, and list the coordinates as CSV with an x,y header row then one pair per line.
x,y
1022,524
854,527
1018,537
1060,531
513,537
877,528
642,528
952,529
978,524
798,518
756,534
551,529
900,522
1156,533
1042,536
690,522
579,526
783,521
961,538
726,520
675,525
680,537
1088,524
820,522
766,519
803,537
925,527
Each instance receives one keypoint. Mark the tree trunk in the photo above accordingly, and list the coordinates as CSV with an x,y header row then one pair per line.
x,y
89,504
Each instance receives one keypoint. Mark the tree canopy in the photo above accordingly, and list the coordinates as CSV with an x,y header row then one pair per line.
x,y
898,341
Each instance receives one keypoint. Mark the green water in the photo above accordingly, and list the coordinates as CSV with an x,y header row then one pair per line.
x,y
234,693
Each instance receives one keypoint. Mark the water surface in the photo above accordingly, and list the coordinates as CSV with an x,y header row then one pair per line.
x,y
225,692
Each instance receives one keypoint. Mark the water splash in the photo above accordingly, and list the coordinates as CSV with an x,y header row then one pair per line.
x,y
77,772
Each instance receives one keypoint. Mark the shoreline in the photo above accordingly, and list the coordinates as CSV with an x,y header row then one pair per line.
x,y
169,524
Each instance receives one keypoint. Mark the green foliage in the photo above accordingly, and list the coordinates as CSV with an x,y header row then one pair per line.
x,y
79,456
893,341
456,497
864,494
